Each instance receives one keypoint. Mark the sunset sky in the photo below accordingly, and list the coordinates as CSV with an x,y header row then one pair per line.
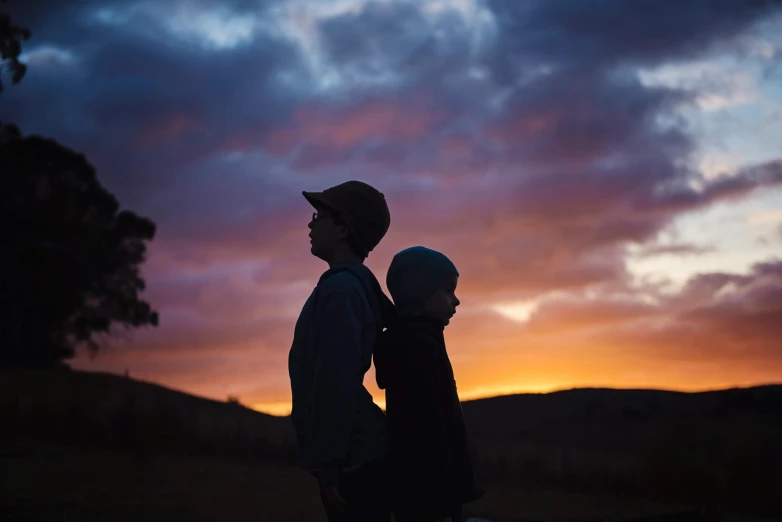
x,y
606,175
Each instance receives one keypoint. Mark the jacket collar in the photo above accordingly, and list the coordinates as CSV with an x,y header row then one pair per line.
x,y
422,319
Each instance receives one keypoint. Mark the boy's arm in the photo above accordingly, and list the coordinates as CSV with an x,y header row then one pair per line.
x,y
423,427
337,337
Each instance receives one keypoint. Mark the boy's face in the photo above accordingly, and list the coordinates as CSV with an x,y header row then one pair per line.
x,y
325,234
442,305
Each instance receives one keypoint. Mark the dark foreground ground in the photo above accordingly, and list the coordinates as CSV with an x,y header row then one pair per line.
x,y
56,483
78,446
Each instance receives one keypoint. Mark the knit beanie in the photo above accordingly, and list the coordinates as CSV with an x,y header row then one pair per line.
x,y
415,274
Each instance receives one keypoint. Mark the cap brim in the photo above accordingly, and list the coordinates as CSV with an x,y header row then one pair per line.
x,y
316,199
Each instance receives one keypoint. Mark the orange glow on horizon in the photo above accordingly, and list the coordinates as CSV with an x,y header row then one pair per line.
x,y
283,409
279,409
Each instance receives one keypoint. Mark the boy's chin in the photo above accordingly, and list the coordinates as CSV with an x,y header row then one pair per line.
x,y
317,253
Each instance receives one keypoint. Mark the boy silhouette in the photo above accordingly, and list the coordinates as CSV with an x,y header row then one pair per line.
x,y
340,431
430,466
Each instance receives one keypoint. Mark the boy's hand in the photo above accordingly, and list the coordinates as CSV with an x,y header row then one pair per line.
x,y
336,503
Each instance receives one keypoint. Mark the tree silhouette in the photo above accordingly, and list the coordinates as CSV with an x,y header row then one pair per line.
x,y
11,37
69,259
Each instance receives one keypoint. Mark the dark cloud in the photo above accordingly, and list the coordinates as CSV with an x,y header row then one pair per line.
x,y
53,20
680,197
579,159
609,33
527,148
386,34
395,38
572,120
76,21
157,118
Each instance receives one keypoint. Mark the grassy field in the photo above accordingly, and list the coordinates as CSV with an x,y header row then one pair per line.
x,y
721,449
54,483
57,483
95,397
110,448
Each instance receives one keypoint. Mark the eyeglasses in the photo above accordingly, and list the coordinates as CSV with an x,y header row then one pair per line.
x,y
317,215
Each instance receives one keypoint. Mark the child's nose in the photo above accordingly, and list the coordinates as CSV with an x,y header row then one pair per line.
x,y
456,301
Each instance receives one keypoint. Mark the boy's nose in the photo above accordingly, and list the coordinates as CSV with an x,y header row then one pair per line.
x,y
456,301
311,224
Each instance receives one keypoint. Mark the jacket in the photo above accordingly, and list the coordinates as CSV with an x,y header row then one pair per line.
x,y
429,453
337,423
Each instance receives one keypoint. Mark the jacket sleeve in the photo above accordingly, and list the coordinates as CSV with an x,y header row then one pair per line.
x,y
422,431
337,379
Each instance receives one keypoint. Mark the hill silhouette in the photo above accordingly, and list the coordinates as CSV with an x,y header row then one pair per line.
x,y
107,410
720,449
590,410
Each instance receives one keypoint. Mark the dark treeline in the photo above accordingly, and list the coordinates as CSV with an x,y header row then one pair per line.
x,y
69,256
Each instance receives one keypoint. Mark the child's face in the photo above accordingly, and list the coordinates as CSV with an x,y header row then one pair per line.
x,y
325,234
442,305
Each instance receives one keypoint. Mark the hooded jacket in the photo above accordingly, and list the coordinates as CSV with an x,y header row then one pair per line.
x,y
337,423
431,464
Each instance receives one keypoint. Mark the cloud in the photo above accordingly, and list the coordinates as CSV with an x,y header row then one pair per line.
x,y
720,330
717,315
46,56
676,248
611,32
765,217
156,118
585,313
323,136
524,139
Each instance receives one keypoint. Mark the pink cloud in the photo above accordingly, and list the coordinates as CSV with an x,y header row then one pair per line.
x,y
165,129
532,188
328,134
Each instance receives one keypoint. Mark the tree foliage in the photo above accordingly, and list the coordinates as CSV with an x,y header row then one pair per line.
x,y
69,258
11,37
